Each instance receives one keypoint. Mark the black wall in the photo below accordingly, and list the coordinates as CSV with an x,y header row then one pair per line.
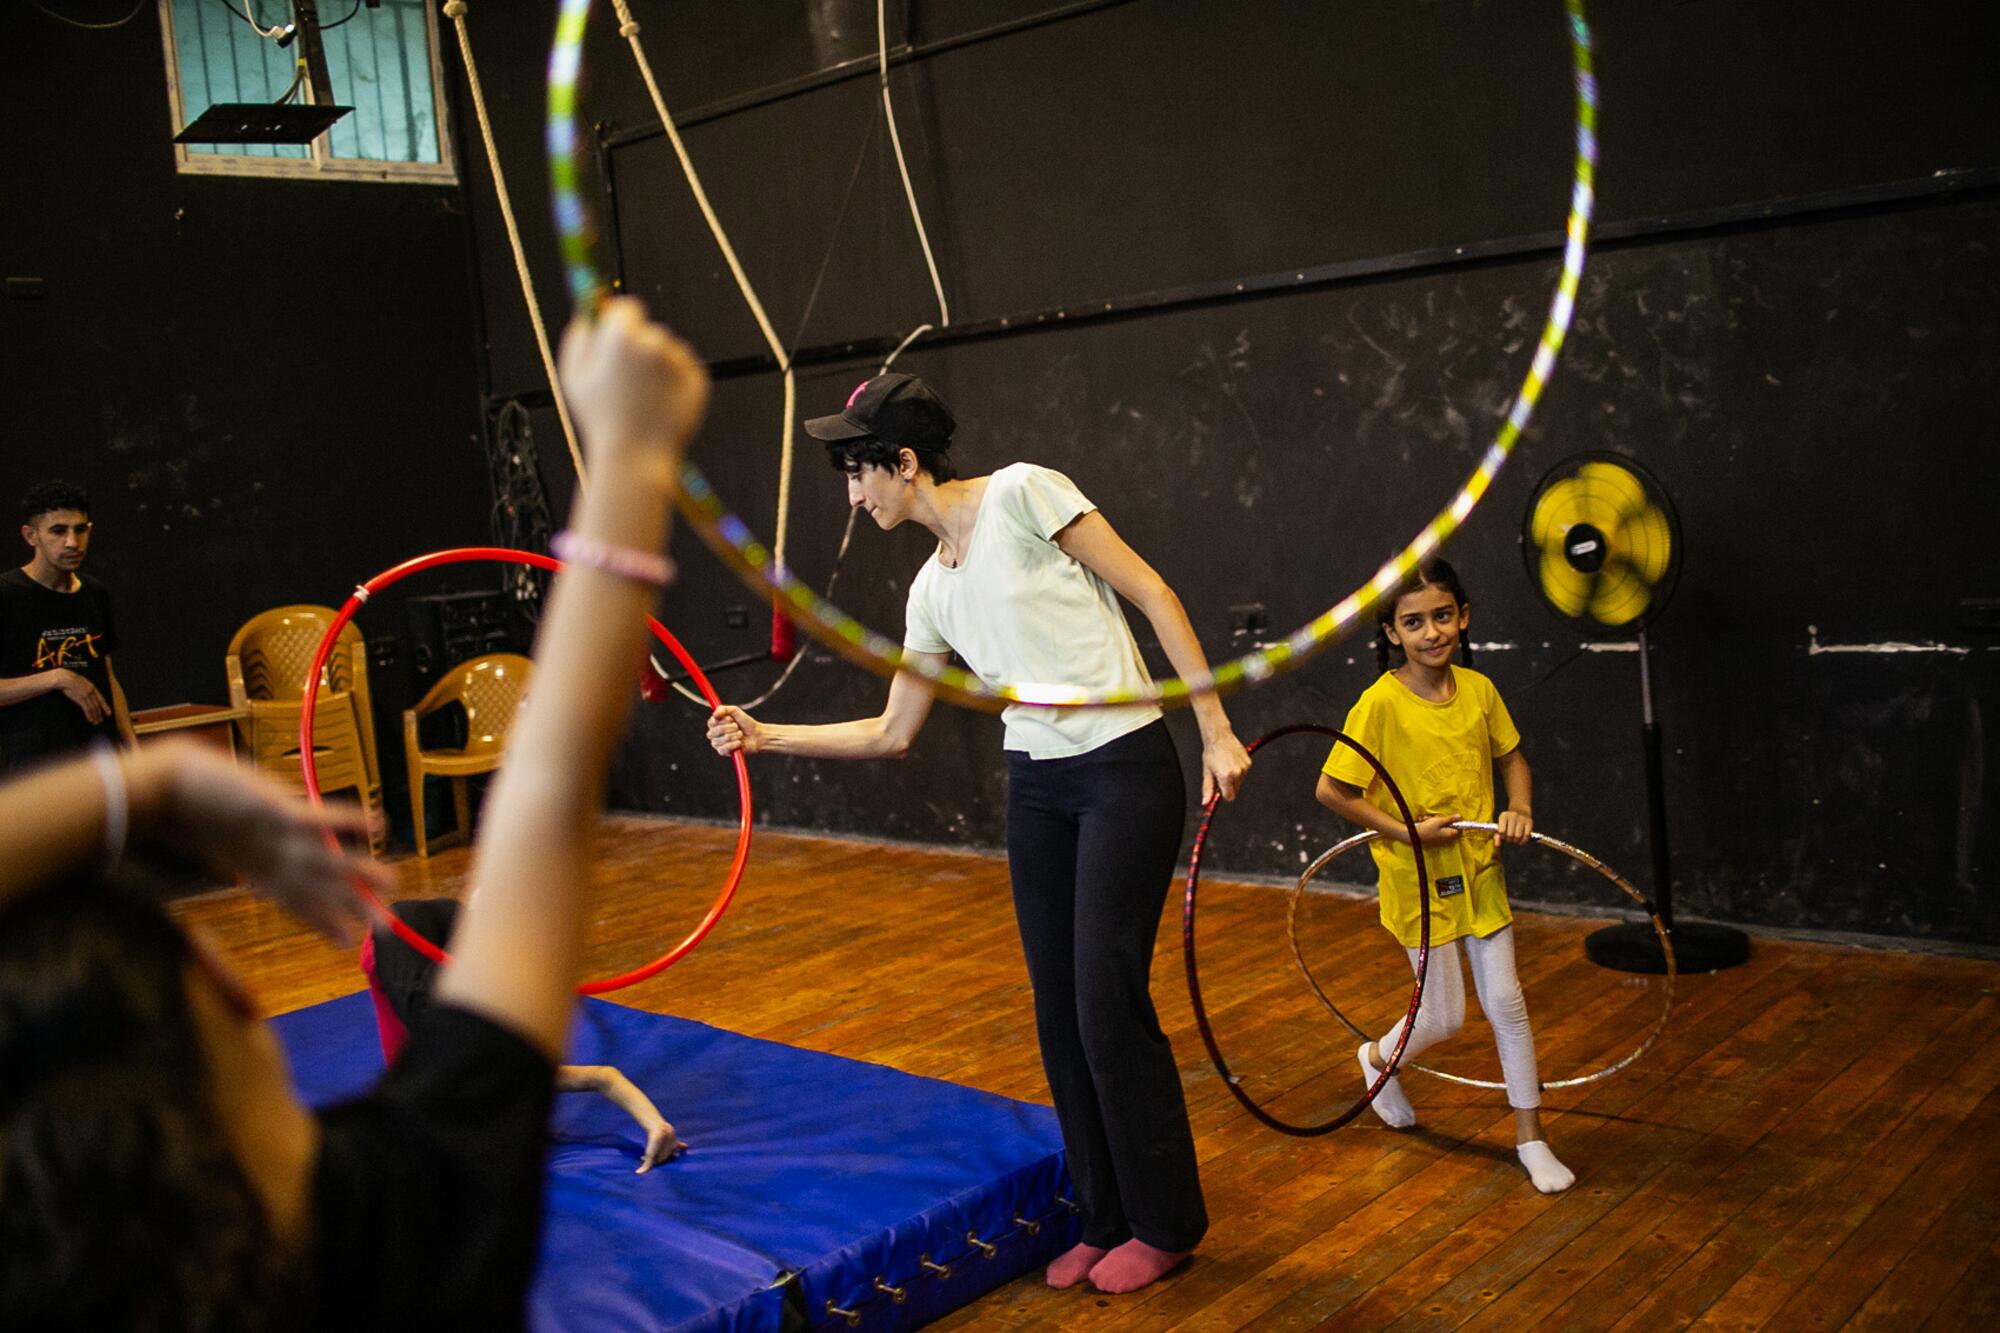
x,y
1815,388
271,387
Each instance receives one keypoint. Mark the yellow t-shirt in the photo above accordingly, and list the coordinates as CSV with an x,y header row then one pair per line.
x,y
1441,755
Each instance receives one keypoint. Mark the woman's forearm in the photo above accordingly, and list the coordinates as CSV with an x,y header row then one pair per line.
x,y
1168,617
887,735
863,738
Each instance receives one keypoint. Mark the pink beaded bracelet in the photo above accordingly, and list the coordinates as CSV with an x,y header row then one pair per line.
x,y
648,567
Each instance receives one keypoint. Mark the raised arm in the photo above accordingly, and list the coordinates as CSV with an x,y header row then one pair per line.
x,y
887,735
1091,541
517,953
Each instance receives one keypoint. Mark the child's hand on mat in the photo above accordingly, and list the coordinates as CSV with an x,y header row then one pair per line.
x,y
731,729
639,392
1515,826
240,824
1434,830
662,1145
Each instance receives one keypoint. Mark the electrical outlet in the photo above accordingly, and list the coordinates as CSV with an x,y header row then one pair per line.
x,y
1248,623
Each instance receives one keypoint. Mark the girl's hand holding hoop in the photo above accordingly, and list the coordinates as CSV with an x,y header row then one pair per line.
x,y
1515,826
1432,831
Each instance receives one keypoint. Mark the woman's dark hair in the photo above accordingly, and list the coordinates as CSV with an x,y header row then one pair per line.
x,y
1435,572
121,1202
848,456
49,496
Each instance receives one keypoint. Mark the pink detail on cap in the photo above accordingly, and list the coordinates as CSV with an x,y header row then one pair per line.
x,y
856,394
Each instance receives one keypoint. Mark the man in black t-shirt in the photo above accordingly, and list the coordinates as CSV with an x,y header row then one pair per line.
x,y
57,689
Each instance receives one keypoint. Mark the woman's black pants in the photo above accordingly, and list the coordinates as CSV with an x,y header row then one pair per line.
x,y
1091,844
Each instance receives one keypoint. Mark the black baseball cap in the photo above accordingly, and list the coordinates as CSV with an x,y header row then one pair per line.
x,y
897,409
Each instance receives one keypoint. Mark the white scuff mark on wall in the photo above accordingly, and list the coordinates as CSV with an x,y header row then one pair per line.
x,y
1509,646
1814,647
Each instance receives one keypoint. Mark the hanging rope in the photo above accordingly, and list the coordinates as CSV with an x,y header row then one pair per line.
x,y
628,28
812,302
903,168
839,558
455,11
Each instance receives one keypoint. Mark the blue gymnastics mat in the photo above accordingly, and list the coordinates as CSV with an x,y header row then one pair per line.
x,y
814,1189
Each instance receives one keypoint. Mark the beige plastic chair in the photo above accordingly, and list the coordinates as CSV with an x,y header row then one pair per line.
x,y
266,666
490,690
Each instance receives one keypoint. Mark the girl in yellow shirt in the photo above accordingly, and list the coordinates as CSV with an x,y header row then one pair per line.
x,y
1442,730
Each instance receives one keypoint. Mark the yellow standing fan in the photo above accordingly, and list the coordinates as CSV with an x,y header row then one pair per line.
x,y
1603,543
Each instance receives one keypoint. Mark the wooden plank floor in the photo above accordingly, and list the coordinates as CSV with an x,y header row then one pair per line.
x,y
1815,1142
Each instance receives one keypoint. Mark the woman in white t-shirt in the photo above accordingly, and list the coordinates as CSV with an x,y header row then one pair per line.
x,y
1025,587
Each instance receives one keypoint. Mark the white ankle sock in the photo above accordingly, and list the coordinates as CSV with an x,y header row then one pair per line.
x,y
1550,1176
1390,1103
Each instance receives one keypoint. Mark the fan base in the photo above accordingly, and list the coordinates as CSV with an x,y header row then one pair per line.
x,y
1698,947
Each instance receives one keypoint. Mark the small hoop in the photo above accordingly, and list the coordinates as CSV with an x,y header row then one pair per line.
x,y
1325,858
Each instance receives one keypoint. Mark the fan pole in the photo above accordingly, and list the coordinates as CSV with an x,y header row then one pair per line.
x,y
1634,946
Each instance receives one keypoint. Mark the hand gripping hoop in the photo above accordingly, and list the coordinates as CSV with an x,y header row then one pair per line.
x,y
469,554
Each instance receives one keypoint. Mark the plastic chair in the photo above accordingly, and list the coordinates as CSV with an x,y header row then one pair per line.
x,y
490,690
266,665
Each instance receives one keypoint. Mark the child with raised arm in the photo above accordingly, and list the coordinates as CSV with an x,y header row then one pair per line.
x,y
156,1169
1441,730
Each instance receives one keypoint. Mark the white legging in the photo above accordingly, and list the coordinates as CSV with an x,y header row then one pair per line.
x,y
1442,1013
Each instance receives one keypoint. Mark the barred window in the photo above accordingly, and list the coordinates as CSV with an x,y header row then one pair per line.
x,y
382,60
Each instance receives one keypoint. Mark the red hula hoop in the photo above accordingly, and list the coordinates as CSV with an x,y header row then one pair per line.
x,y
465,555
1193,973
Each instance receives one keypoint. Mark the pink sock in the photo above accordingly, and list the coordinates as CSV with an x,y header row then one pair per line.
x,y
1133,1265
1073,1266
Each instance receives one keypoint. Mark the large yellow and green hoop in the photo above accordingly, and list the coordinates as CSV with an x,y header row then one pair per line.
x,y
732,540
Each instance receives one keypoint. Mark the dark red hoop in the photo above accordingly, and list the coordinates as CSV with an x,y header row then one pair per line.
x,y
465,555
1193,972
